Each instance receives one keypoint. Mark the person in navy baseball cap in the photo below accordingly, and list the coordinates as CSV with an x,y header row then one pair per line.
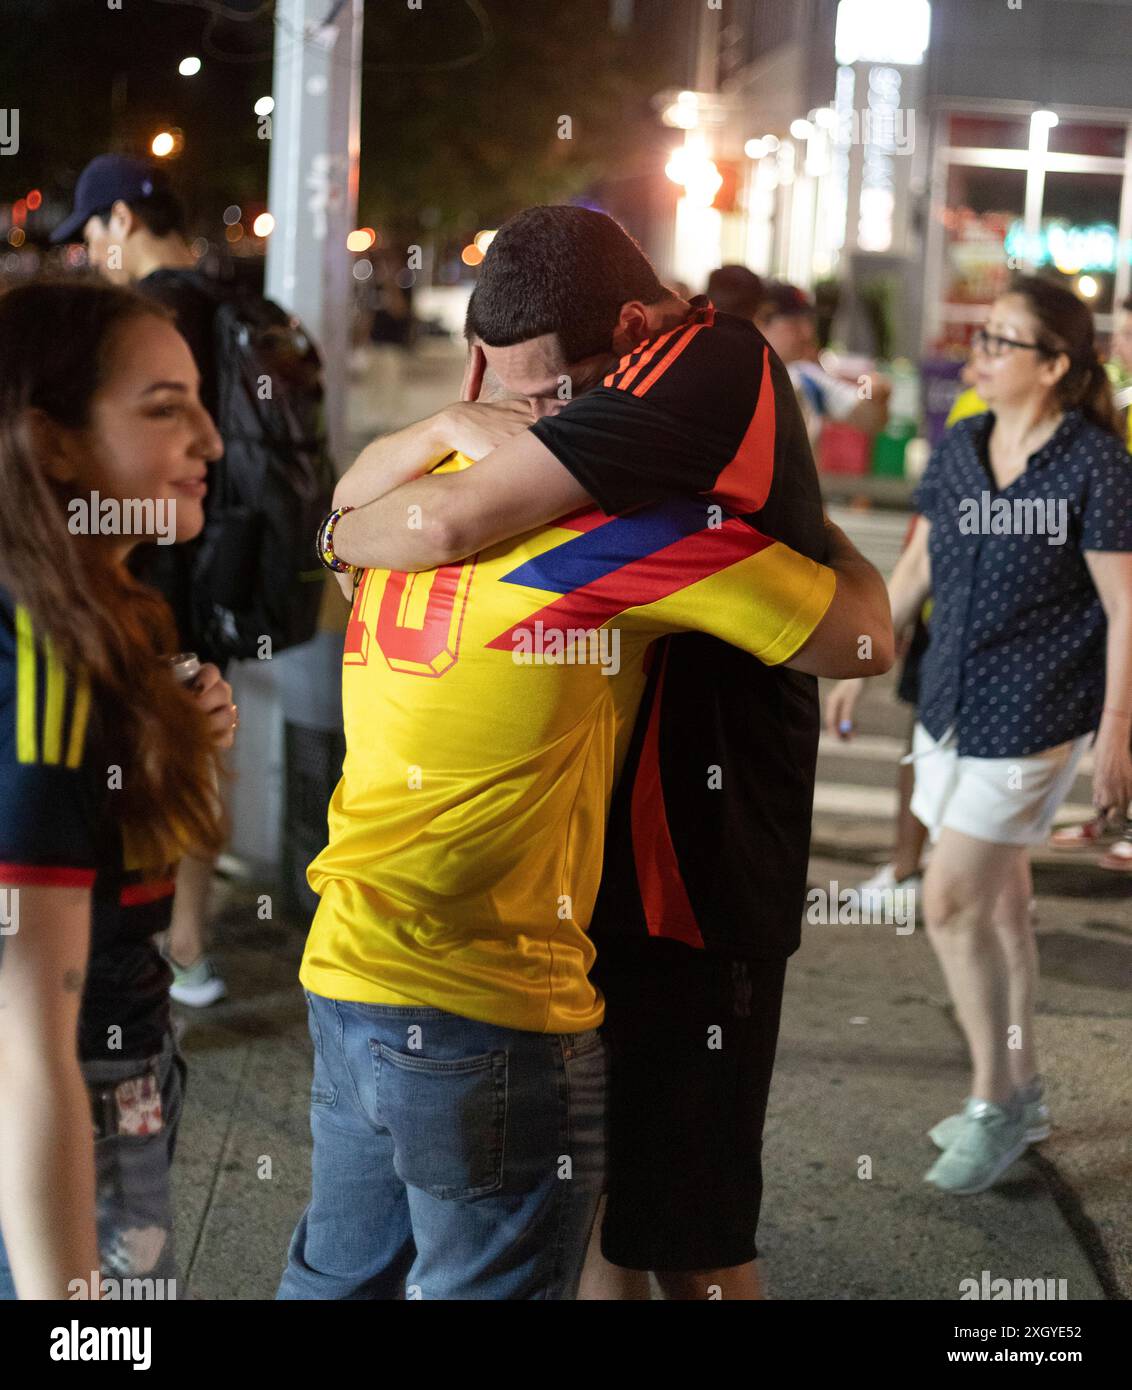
x,y
128,217
101,184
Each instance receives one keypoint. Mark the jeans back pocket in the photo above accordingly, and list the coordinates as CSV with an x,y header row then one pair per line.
x,y
447,1120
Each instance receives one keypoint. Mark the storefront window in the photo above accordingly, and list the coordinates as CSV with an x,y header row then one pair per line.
x,y
990,132
1079,241
982,205
1076,138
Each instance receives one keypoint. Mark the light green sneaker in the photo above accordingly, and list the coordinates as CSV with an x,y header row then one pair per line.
x,y
1035,1117
991,1138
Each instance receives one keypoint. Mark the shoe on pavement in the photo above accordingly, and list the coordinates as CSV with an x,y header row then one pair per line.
x,y
883,886
197,985
1035,1117
1087,836
991,1138
1119,857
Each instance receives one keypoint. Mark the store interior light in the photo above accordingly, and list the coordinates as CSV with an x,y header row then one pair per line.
x,y
1087,287
264,224
883,31
361,239
755,149
1044,119
264,106
801,129
683,113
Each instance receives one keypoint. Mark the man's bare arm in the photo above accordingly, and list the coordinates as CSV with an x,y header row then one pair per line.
x,y
515,488
860,610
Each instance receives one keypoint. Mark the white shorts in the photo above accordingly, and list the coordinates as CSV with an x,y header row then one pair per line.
x,y
1008,801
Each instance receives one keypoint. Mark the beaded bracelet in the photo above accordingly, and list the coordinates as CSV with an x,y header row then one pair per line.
x,y
324,543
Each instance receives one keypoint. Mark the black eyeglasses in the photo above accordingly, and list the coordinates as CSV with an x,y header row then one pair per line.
x,y
994,345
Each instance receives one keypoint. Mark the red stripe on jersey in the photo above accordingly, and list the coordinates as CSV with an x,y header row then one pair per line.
x,y
135,894
667,360
585,519
646,580
744,483
646,357
46,876
667,907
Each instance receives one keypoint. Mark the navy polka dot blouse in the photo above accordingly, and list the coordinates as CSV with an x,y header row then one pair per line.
x,y
1016,661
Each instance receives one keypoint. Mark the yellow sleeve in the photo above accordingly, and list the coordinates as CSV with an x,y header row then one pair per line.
x,y
768,603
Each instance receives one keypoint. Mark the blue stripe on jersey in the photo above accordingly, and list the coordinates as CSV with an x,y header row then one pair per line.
x,y
609,547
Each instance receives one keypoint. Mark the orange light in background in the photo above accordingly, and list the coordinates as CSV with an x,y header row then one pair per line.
x,y
19,212
264,224
361,239
235,233
16,236
34,200
162,144
471,255
482,240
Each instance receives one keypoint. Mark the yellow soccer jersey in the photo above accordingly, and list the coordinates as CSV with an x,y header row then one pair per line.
x,y
487,706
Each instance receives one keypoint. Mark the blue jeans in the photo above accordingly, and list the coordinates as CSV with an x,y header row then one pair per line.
x,y
452,1159
133,1205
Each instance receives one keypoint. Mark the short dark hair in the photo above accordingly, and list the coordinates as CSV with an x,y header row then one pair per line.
x,y
785,299
563,270
734,289
161,213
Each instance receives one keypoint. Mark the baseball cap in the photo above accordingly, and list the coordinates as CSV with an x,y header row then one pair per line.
x,y
104,180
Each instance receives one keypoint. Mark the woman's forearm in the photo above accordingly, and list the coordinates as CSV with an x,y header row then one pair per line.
x,y
47,1198
908,588
1116,720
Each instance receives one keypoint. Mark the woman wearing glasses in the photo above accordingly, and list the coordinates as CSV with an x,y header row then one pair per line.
x,y
1024,541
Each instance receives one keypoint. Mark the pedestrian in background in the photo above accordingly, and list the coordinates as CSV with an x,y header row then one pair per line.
x,y
107,771
1030,657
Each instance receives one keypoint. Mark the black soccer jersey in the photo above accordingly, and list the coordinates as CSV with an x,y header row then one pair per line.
x,y
709,833
57,828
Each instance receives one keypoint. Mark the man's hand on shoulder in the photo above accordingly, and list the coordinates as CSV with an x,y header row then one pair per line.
x,y
475,428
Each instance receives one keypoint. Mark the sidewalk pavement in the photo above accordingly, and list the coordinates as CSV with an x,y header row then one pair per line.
x,y
868,1058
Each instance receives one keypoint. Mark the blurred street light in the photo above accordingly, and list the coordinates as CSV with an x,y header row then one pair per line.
x,y
482,240
361,239
162,144
189,67
264,225
265,106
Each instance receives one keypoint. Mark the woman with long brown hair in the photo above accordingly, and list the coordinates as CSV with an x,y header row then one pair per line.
x,y
107,773
1024,541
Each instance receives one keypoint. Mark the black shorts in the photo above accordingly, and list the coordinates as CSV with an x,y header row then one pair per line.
x,y
691,1038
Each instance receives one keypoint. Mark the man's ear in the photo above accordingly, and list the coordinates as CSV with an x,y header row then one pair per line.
x,y
474,368
53,446
121,221
632,326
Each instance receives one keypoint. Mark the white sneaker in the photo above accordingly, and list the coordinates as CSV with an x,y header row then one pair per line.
x,y
197,985
880,890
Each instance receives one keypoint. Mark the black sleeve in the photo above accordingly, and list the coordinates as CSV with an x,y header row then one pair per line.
x,y
627,451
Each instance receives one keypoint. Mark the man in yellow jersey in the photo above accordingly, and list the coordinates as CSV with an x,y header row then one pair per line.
x,y
459,1079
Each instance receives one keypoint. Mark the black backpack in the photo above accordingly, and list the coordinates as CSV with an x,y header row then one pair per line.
x,y
254,571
